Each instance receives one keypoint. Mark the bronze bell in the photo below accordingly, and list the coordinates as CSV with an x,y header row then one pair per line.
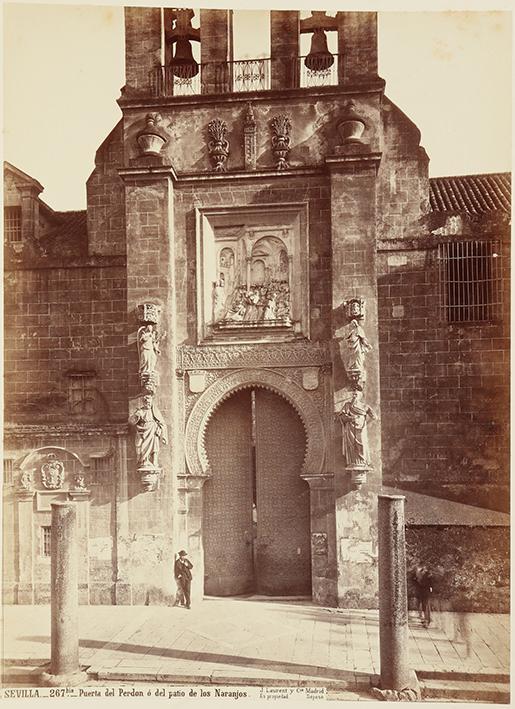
x,y
183,63
319,57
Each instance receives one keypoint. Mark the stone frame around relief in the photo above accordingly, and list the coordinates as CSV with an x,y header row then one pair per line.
x,y
239,229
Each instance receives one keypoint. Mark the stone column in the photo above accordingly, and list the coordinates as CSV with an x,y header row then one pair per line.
x,y
122,587
353,179
393,602
82,497
25,541
215,50
357,47
142,47
284,48
323,539
64,662
190,508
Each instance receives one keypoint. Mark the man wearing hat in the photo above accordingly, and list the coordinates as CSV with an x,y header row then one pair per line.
x,y
182,572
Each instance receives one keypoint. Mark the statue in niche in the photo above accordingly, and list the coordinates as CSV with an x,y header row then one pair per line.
x,y
148,348
355,347
150,433
353,417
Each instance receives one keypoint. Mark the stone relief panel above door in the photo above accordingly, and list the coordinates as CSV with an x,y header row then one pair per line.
x,y
253,281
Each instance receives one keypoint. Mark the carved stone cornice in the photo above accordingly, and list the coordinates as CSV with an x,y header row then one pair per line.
x,y
251,356
60,430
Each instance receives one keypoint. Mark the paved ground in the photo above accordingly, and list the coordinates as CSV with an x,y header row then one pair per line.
x,y
231,640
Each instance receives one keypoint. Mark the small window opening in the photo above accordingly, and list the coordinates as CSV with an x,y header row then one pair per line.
x,y
12,224
46,537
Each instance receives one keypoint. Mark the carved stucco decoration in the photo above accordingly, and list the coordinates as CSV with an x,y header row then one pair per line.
x,y
281,142
52,473
250,356
210,400
249,139
218,145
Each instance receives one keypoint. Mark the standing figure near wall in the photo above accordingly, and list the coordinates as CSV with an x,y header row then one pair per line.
x,y
355,348
150,432
353,418
148,349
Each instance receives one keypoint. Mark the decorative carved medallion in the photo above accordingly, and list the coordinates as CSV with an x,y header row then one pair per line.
x,y
310,378
246,356
218,145
319,543
52,473
281,143
197,381
249,139
208,402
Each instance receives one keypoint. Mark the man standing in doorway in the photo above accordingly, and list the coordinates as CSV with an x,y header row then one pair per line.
x,y
182,572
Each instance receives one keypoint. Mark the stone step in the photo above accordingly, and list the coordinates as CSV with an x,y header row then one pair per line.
x,y
487,675
493,692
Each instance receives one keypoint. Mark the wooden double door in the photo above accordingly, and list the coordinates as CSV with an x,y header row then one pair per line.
x,y
256,523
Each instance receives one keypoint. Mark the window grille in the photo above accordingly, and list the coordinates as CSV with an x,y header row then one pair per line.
x,y
8,471
12,224
102,468
470,281
46,537
81,393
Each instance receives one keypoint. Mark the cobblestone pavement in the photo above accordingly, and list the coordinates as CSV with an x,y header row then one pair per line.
x,y
251,641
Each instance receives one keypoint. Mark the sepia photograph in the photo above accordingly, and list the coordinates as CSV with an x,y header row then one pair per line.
x,y
256,421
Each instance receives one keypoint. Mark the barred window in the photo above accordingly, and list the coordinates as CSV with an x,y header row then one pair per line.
x,y
470,281
102,468
46,536
81,393
12,224
8,471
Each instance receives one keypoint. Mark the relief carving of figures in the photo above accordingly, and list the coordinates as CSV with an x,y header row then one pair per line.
x,y
150,430
354,346
253,290
52,473
353,417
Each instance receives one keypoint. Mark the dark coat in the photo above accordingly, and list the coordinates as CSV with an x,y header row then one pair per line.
x,y
182,569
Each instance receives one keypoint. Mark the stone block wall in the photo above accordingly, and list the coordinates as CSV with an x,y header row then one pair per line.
x,y
61,321
444,387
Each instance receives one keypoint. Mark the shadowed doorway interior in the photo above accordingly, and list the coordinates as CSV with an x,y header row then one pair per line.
x,y
256,506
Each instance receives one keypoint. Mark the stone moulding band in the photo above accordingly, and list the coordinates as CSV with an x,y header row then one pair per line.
x,y
195,450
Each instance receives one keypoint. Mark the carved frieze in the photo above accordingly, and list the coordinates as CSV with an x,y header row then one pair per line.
x,y
52,473
259,355
319,543
281,141
218,145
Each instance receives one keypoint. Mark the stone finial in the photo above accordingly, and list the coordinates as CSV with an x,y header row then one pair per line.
x,y
218,146
281,142
249,139
151,138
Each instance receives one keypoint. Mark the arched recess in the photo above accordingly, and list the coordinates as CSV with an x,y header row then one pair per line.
x,y
210,400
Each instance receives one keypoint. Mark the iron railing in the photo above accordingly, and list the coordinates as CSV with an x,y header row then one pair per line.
x,y
244,76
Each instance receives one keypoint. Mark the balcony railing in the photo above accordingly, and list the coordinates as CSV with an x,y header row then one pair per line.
x,y
243,76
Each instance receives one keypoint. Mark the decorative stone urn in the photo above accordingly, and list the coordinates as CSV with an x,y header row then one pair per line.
x,y
151,138
352,126
218,146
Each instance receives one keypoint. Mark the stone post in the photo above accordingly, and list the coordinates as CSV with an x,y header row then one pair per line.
x,y
357,47
215,50
396,675
142,47
64,662
284,48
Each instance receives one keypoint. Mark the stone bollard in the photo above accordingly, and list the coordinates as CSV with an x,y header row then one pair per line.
x,y
64,667
398,681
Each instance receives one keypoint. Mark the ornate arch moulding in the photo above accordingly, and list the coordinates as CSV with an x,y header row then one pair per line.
x,y
196,455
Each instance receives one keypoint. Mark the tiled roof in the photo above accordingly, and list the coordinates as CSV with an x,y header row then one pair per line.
x,y
474,194
67,233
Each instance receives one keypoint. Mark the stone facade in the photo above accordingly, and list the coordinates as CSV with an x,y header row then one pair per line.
x,y
275,246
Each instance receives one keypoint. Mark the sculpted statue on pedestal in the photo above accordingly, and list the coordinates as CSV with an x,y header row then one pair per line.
x,y
353,417
150,431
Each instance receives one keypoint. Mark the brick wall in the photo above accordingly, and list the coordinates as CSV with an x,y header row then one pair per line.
x,y
59,320
444,388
